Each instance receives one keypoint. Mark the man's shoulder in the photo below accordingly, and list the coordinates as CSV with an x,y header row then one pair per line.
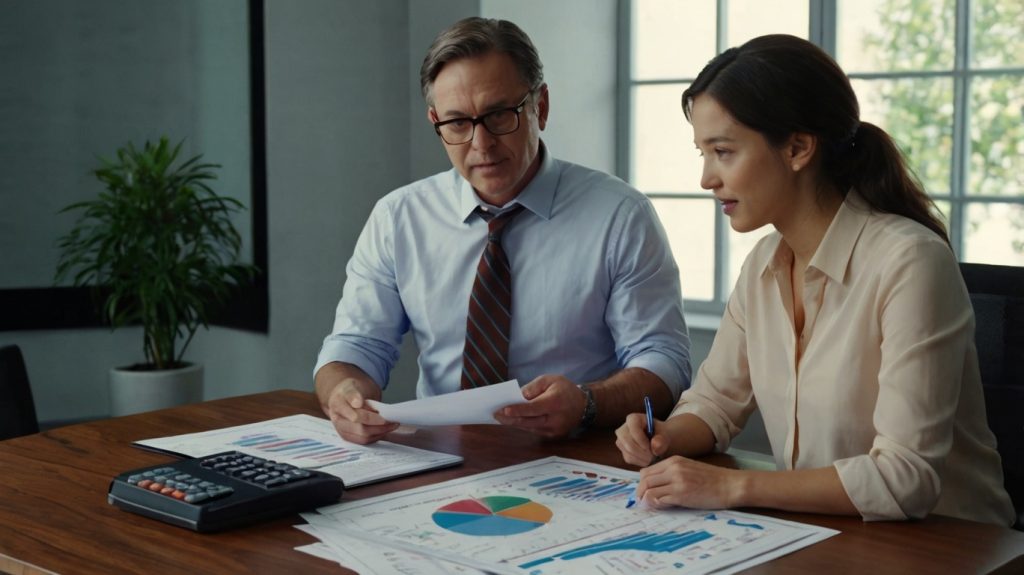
x,y
430,188
576,178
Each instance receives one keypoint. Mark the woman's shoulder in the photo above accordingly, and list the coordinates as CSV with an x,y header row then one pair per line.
x,y
895,249
892,236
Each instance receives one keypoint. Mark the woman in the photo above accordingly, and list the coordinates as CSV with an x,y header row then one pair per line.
x,y
850,326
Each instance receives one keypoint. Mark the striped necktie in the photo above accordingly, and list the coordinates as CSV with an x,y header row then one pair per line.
x,y
485,356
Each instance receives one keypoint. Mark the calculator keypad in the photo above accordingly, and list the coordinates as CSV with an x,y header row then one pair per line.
x,y
190,489
221,491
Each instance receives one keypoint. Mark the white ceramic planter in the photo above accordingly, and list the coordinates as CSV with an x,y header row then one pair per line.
x,y
138,391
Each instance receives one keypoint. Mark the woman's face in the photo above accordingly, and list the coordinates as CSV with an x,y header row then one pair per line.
x,y
752,180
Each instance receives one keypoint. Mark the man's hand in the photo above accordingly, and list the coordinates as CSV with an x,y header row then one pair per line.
x,y
555,407
343,390
354,420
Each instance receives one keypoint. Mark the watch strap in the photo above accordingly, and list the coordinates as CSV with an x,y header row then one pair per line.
x,y
589,409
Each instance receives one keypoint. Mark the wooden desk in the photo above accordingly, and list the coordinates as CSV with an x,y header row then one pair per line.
x,y
54,516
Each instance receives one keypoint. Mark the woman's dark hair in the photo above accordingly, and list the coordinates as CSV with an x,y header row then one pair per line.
x,y
779,85
476,36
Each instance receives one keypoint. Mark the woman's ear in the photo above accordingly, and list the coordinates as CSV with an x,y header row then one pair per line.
x,y
800,150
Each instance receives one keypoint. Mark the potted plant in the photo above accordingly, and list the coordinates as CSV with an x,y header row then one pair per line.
x,y
160,245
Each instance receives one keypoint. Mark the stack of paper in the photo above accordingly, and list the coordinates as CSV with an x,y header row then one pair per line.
x,y
552,515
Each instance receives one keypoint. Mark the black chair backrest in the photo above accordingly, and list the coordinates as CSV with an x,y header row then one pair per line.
x,y
997,294
17,409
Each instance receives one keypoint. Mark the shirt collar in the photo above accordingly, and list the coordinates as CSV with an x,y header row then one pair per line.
x,y
538,196
833,255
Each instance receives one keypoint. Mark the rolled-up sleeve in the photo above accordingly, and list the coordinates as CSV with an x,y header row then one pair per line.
x,y
881,380
370,319
721,395
926,322
645,307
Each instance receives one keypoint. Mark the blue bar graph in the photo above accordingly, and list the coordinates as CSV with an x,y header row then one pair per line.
x,y
318,452
588,487
669,542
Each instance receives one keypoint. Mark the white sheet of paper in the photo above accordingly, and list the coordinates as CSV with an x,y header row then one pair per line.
x,y
368,558
466,407
311,443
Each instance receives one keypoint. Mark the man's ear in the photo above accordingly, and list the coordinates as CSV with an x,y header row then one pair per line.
x,y
800,150
542,106
431,115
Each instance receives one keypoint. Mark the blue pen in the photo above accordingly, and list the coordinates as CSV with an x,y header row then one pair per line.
x,y
649,415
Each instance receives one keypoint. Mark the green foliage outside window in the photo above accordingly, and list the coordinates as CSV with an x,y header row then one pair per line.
x,y
918,35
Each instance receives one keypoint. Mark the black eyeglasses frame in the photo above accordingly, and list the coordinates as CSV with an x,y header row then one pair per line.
x,y
482,119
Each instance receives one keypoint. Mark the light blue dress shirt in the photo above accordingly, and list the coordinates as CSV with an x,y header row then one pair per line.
x,y
594,285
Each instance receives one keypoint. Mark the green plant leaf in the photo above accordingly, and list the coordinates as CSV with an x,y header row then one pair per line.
x,y
162,240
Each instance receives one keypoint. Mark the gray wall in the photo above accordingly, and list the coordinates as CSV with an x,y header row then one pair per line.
x,y
80,80
581,127
345,125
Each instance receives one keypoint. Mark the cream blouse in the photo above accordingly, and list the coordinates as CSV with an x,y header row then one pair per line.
x,y
883,383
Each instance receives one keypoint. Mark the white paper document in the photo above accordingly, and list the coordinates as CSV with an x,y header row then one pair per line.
x,y
553,515
369,558
311,443
466,407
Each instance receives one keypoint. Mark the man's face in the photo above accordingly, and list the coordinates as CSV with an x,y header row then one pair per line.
x,y
498,167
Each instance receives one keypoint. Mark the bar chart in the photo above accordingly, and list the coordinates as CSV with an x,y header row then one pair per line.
x,y
311,452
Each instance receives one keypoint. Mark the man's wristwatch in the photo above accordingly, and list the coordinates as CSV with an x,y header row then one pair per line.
x,y
590,409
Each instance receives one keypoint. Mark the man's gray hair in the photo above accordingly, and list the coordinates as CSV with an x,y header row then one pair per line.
x,y
477,36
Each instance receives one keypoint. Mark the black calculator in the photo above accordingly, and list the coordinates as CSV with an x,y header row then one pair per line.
x,y
222,491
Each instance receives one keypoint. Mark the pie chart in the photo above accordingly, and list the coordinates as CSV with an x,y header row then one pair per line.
x,y
492,515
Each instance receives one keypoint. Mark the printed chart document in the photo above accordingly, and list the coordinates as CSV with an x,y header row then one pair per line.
x,y
466,407
368,558
311,443
552,515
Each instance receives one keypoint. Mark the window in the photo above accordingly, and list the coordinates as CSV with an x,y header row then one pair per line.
x,y
944,77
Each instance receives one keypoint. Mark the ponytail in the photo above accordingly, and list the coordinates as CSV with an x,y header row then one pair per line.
x,y
872,164
779,85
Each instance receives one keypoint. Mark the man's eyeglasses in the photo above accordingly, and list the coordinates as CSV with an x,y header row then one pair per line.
x,y
498,122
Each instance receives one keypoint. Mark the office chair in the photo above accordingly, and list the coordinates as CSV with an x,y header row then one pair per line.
x,y
997,295
17,409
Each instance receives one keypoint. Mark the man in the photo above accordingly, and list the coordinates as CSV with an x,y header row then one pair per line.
x,y
597,322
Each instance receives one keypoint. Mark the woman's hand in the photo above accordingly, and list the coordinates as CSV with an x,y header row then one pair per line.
x,y
684,482
637,449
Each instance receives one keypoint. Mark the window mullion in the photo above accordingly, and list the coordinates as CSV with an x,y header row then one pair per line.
x,y
822,25
721,239
961,131
721,26
624,107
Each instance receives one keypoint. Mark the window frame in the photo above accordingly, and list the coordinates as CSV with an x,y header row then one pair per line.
x,y
822,27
